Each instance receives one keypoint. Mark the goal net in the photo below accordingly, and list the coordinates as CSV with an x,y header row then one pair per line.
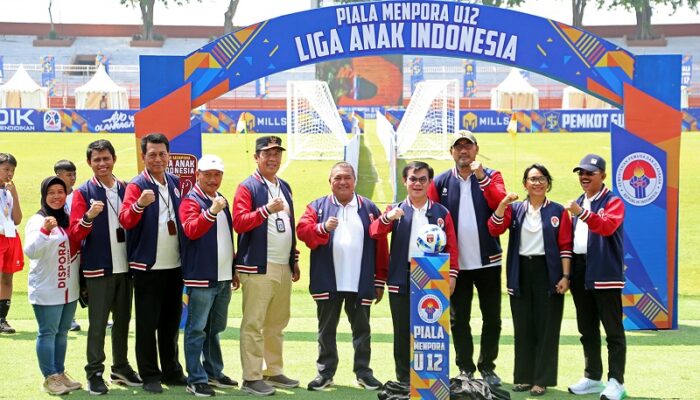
x,y
431,117
315,130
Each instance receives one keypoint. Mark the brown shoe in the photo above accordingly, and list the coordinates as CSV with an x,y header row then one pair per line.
x,y
54,385
68,381
281,381
538,390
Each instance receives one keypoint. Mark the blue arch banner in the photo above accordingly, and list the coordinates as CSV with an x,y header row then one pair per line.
x,y
435,28
646,87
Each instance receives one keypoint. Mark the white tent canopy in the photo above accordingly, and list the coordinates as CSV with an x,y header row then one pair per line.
x,y
22,92
573,98
101,93
515,92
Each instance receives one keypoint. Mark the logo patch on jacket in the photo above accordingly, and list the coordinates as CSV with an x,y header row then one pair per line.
x,y
371,217
444,191
441,223
177,192
555,221
601,212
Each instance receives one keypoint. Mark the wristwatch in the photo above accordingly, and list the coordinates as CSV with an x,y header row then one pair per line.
x,y
567,276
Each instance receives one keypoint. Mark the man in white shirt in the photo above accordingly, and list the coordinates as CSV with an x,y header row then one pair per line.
x,y
207,271
347,266
109,287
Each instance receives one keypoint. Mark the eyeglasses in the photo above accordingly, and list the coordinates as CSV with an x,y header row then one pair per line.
x,y
582,172
422,180
537,179
463,146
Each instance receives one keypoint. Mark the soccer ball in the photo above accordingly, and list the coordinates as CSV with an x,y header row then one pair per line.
x,y
431,239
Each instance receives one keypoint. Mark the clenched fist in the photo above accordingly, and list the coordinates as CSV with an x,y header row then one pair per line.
x,y
96,208
331,224
573,207
275,205
146,199
50,223
477,169
394,214
510,198
217,205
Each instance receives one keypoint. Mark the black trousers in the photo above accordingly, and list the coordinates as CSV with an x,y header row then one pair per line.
x,y
400,305
488,286
328,313
107,294
593,307
537,316
158,305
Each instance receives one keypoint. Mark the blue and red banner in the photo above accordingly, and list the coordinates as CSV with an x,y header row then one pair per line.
x,y
430,327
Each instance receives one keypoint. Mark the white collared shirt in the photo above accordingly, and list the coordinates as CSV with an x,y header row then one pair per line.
x,y
224,246
348,243
168,248
531,238
418,221
120,264
581,231
279,244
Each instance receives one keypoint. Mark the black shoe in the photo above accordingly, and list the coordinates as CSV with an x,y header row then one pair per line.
x,y
320,383
74,326
96,385
130,378
257,388
177,381
6,328
369,382
200,390
491,378
281,381
153,387
224,382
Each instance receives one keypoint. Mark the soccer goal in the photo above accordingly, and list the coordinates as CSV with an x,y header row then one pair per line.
x,y
431,117
315,131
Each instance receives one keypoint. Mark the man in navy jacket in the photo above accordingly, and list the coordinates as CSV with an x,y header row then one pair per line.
x,y
346,266
472,192
598,279
149,214
263,217
95,223
404,220
207,270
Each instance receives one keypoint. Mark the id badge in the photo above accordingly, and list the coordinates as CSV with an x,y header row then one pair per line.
x,y
280,225
172,230
121,235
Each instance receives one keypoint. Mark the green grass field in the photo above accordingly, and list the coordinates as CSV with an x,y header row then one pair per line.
x,y
660,364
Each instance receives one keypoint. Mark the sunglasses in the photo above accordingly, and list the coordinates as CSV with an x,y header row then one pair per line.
x,y
583,172
422,180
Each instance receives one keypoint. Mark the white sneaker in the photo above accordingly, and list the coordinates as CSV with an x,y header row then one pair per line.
x,y
586,386
614,390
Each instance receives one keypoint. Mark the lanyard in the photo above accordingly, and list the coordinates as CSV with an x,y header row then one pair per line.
x,y
167,202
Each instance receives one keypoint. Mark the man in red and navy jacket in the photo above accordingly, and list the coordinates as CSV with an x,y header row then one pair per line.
x,y
472,192
95,222
263,217
598,278
347,265
149,214
207,270
404,221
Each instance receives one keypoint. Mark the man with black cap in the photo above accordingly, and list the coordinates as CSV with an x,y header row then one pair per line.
x,y
472,192
208,275
598,279
267,262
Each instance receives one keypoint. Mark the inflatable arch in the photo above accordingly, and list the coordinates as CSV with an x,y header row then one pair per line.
x,y
645,154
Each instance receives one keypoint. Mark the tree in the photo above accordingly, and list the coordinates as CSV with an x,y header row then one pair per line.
x,y
643,10
578,6
146,7
228,15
